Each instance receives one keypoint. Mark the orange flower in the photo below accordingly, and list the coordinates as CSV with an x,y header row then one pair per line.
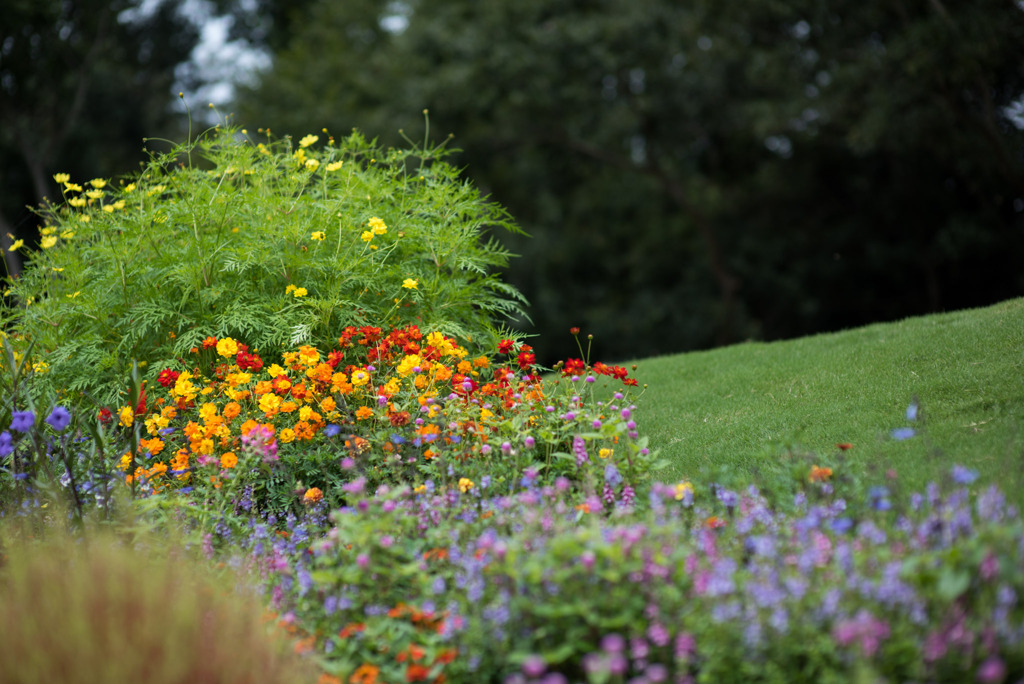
x,y
417,673
328,404
231,410
305,645
364,674
209,342
364,412
714,522
248,426
228,460
351,628
312,495
844,446
819,474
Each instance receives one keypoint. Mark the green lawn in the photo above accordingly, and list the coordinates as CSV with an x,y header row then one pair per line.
x,y
737,409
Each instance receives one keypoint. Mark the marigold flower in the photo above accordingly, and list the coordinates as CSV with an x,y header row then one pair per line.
x,y
126,416
819,474
227,347
228,460
410,284
312,495
364,412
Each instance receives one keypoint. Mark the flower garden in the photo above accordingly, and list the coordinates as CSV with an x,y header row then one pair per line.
x,y
289,357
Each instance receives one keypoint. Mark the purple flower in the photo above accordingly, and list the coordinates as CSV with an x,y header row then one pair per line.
x,y
612,476
6,443
901,434
963,476
59,418
332,430
534,666
613,643
912,411
529,441
992,671
22,421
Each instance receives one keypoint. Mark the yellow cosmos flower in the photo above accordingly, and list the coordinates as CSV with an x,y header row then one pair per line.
x,y
98,183
312,164
360,378
94,194
366,236
119,204
465,484
61,177
72,187
48,242
77,202
290,288
130,187
317,235
410,283
67,234
228,460
18,244
300,292
406,365
285,436
334,166
377,226
308,140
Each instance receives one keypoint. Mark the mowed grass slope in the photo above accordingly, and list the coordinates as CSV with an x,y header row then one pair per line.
x,y
734,412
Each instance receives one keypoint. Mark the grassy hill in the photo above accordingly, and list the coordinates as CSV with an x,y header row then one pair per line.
x,y
736,410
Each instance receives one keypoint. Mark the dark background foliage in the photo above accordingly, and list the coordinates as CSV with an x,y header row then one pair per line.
x,y
692,173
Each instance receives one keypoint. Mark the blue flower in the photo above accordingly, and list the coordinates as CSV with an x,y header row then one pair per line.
x,y
22,421
59,418
611,475
900,434
6,443
842,525
332,430
912,411
963,476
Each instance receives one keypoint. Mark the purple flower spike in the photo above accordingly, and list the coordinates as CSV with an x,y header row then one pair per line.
x,y
59,418
22,421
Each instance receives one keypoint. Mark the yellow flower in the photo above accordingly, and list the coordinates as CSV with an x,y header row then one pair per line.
x,y
48,230
94,194
119,204
83,219
48,242
61,177
312,164
465,484
605,453
227,347
410,283
68,234
377,226
308,140
317,235
360,378
406,365
130,187
109,208
72,187
77,202
98,183
285,436
72,296
312,495
269,403
290,288
682,489
334,166
366,236
18,244
300,292
127,415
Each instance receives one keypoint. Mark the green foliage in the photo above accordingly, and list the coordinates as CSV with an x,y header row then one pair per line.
x,y
696,173
275,243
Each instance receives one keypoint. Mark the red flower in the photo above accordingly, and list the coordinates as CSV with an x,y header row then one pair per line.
x,y
844,446
574,331
209,342
140,409
526,359
105,416
247,361
399,419
505,346
167,378
574,367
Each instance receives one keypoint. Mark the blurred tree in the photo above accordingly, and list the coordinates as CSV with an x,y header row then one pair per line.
x,y
702,172
82,82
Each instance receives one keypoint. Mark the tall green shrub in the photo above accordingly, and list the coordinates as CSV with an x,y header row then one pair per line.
x,y
273,243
